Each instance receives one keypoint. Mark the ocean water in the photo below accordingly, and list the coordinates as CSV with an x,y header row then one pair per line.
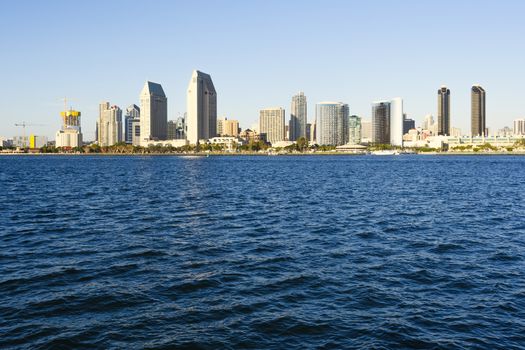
x,y
262,252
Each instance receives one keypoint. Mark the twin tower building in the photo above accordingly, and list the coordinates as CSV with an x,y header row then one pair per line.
x,y
201,118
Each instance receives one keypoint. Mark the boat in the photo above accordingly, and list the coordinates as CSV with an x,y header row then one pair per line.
x,y
385,152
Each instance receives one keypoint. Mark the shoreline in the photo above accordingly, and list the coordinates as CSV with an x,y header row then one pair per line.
x,y
205,155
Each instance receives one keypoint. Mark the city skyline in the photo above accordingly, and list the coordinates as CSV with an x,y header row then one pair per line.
x,y
413,71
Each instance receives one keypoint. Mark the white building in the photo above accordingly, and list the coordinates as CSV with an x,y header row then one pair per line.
x,y
153,112
109,125
396,122
201,107
68,138
272,124
163,143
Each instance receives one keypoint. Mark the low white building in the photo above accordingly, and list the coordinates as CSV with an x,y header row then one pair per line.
x,y
231,143
282,144
68,138
164,143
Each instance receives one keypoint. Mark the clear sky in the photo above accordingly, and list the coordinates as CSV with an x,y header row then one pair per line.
x,y
259,53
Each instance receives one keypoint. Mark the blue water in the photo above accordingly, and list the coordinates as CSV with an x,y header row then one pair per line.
x,y
262,252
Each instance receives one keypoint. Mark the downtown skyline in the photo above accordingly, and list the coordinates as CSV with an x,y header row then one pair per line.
x,y
246,82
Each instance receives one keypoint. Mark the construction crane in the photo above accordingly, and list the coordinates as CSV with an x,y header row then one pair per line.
x,y
23,125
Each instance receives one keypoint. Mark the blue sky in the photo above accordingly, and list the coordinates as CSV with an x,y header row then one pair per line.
x,y
259,53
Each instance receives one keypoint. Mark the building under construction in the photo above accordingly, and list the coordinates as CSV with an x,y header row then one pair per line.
x,y
70,136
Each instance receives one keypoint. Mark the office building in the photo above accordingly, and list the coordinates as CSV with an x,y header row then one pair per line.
x,y
309,131
381,122
443,111
354,130
519,127
230,128
109,125
313,132
272,124
298,117
428,122
153,113
180,133
172,129
366,130
132,125
227,127
478,114
408,124
331,123
201,101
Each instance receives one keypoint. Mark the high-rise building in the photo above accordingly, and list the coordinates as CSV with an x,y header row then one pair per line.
x,y
505,132
230,127
272,124
313,132
308,131
408,124
443,111
201,101
153,112
354,130
478,115
428,122
227,127
172,129
331,123
298,117
109,125
366,131
397,118
70,136
381,122
132,116
181,128
519,127
219,125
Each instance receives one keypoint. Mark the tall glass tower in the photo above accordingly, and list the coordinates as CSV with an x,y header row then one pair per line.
x,y
153,112
478,111
331,123
443,111
298,117
381,122
201,107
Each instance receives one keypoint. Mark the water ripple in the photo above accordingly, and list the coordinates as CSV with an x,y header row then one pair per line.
x,y
262,252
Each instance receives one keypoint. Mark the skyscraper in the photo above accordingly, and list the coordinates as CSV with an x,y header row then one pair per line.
x,y
381,122
298,117
519,127
408,124
132,116
396,121
153,112
478,114
331,123
354,130
272,124
443,111
428,122
201,101
109,125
